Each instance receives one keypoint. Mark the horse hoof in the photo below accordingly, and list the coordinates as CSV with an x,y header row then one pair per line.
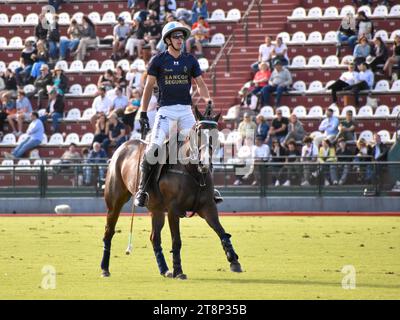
x,y
181,276
235,267
105,274
168,274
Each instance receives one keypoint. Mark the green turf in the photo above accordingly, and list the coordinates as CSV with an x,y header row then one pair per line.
x,y
282,258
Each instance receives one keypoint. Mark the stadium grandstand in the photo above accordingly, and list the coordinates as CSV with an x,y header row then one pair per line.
x,y
81,66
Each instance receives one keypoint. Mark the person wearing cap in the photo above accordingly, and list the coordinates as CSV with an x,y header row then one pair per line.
x,y
364,81
88,38
279,82
329,126
135,38
116,133
199,8
26,61
101,105
55,109
361,51
24,111
199,36
120,34
173,72
60,80
42,81
347,78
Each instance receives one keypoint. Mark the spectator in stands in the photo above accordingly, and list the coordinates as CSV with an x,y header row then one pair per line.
x,y
120,102
364,81
260,80
101,129
154,6
361,51
364,26
262,128
53,39
152,33
70,44
41,28
278,154
116,134
343,155
120,78
96,156
120,34
327,155
10,83
347,78
295,130
56,4
347,128
107,80
60,80
265,52
394,59
247,128
279,128
199,8
199,36
70,156
279,82
42,81
279,52
7,107
379,54
35,133
135,39
24,111
291,171
40,58
260,154
88,38
347,33
363,154
26,62
329,126
379,150
309,155
244,160
101,105
55,109
135,79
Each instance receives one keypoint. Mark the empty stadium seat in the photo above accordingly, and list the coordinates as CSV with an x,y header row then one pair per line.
x,y
17,19
396,86
394,34
380,11
383,34
139,65
87,114
382,112
90,90
124,63
217,15
298,62
348,108
7,165
316,86
298,37
3,19
347,9
314,37
15,43
367,135
3,66
315,112
14,65
331,12
382,86
64,19
267,112
23,164
203,62
76,66
95,17
37,163
330,37
331,62
314,13
92,66
285,111
395,112
232,114
71,138
78,17
299,86
346,60
9,140
233,15
75,89
284,36
56,139
366,9
29,88
298,14
300,112
109,18
3,43
395,11
365,112
107,65
217,39
32,19
315,62
73,114
385,136
87,139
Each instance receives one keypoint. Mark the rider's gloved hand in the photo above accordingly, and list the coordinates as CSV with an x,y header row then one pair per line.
x,y
144,123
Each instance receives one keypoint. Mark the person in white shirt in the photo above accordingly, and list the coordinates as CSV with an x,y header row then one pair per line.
x,y
309,153
101,105
364,81
280,52
347,78
265,52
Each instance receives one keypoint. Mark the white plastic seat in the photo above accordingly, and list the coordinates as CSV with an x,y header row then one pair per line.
x,y
87,139
14,65
285,36
315,112
23,164
394,34
385,136
3,19
331,12
124,63
32,19
314,37
73,114
109,17
383,34
298,37
367,135
233,15
285,111
382,86
29,88
217,39
395,11
328,84
71,138
217,15
44,139
330,37
298,62
299,86
298,14
63,65
37,163
76,66
203,62
56,139
331,62
314,13
347,9
107,65
365,112
380,11
7,165
92,66
267,112
15,43
126,15
78,17
395,111
17,19
64,19
382,111
366,9
87,114
139,64
90,90
9,140
3,66
396,86
95,17
300,112
316,86
348,108
346,60
3,43
232,114
76,89
315,62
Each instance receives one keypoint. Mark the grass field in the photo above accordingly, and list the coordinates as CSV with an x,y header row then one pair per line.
x,y
283,258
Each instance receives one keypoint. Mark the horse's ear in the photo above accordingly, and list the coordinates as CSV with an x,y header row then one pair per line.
x,y
216,118
198,114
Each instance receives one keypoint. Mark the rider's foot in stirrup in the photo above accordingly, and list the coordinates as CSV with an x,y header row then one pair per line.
x,y
217,196
141,198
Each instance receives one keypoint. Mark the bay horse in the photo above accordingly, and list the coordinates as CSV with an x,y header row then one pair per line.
x,y
177,189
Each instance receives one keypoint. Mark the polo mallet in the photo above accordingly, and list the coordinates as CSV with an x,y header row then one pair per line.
x,y
128,251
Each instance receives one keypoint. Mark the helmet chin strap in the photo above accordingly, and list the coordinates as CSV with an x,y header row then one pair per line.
x,y
179,50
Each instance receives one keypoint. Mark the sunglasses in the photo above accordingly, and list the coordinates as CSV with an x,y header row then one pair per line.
x,y
178,36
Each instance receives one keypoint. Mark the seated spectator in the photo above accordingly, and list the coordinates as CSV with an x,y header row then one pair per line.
x,y
69,45
260,81
364,26
7,107
199,9
329,126
53,39
347,33
199,36
135,39
309,155
40,58
120,102
260,154
262,128
295,130
394,59
379,150
364,81
247,129
10,83
60,80
96,156
120,34
135,79
152,33
279,82
35,133
279,52
265,52
116,134
379,54
343,154
71,155
347,78
101,131
41,28
292,156
88,38
107,80
244,160
347,128
101,105
23,113
363,154
26,61
120,78
278,154
361,51
54,110
327,155
42,81
279,128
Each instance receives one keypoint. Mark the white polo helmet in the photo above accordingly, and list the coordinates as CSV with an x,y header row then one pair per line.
x,y
175,26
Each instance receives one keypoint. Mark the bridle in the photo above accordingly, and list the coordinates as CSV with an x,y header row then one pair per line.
x,y
205,146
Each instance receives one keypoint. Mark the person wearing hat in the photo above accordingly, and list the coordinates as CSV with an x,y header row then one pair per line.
x,y
361,51
199,36
55,108
173,72
120,34
347,78
116,133
60,80
135,38
45,79
279,82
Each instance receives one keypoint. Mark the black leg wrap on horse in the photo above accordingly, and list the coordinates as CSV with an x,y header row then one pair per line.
x,y
228,248
105,262
162,265
176,260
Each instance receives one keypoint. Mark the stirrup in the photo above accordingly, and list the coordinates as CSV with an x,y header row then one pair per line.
x,y
217,197
141,199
